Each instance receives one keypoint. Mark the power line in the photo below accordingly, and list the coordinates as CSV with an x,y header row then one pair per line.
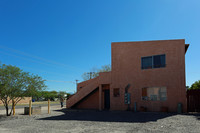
x,y
44,71
38,70
31,60
38,58
61,81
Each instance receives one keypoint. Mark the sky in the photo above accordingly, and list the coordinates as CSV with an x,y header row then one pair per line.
x,y
61,39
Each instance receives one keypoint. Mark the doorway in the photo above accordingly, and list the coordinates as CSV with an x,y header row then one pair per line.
x,y
107,99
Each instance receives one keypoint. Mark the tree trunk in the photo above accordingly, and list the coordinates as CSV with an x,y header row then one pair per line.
x,y
11,109
7,110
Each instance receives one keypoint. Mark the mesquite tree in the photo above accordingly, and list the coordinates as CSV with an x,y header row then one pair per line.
x,y
16,84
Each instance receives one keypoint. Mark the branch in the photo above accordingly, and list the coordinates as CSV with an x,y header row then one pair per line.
x,y
6,101
18,99
9,100
3,102
11,110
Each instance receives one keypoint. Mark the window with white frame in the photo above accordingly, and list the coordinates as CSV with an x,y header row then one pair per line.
x,y
154,93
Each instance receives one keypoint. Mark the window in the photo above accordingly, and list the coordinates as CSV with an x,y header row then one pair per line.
x,y
159,61
154,94
147,62
156,61
116,92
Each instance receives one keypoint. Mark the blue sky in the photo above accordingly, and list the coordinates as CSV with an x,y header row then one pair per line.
x,y
59,40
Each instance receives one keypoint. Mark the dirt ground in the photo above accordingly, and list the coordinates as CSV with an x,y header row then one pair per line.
x,y
90,121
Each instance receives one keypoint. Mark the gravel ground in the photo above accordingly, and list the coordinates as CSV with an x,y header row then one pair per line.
x,y
100,121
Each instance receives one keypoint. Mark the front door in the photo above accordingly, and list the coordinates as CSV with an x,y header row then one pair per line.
x,y
107,99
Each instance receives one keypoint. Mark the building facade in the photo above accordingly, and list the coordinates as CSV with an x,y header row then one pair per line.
x,y
146,75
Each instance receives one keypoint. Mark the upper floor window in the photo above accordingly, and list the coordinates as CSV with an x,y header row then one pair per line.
x,y
155,61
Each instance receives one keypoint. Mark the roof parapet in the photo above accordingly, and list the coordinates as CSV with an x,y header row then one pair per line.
x,y
186,47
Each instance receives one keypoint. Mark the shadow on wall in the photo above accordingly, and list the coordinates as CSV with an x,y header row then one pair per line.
x,y
109,116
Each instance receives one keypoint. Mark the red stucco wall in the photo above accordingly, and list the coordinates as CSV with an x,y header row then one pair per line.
x,y
84,83
126,69
90,102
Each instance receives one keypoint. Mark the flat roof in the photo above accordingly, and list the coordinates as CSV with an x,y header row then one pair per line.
x,y
152,40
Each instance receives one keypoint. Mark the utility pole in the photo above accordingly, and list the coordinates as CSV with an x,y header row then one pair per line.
x,y
76,82
90,73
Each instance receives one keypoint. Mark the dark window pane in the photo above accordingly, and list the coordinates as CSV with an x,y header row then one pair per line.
x,y
146,62
163,63
144,92
116,92
159,61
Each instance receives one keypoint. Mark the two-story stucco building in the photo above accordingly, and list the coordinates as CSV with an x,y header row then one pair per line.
x,y
150,73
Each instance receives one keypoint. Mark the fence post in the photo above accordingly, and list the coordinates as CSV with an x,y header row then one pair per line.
x,y
30,105
48,106
13,102
187,94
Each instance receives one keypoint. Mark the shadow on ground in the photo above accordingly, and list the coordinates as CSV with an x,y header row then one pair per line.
x,y
109,116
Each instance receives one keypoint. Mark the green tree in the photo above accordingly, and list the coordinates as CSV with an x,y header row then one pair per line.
x,y
35,86
53,94
62,94
187,87
195,85
49,95
95,72
16,84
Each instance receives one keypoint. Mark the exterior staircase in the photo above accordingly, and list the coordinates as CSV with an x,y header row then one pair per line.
x,y
79,95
